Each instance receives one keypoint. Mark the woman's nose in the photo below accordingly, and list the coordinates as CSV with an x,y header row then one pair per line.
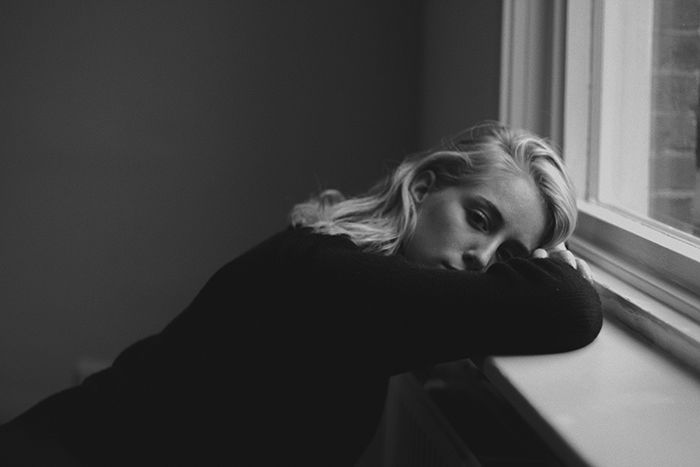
x,y
475,261
478,259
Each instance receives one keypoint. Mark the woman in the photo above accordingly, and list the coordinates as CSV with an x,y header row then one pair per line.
x,y
283,357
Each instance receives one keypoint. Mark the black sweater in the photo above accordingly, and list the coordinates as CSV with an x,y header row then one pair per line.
x,y
283,357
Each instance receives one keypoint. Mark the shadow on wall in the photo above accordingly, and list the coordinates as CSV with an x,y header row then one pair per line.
x,y
150,142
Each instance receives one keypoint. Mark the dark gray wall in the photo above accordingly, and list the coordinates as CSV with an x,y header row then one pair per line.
x,y
144,144
461,61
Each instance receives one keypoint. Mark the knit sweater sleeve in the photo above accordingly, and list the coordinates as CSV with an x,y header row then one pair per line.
x,y
413,315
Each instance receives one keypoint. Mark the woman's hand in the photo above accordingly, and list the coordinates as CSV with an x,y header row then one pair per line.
x,y
560,252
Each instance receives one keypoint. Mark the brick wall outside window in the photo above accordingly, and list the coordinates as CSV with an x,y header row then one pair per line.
x,y
675,160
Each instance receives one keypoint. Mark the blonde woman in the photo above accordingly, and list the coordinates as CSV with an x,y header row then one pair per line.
x,y
284,356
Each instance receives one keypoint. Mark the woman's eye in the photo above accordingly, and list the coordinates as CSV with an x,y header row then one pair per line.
x,y
479,220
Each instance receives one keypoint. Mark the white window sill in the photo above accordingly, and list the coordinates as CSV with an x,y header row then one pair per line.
x,y
619,401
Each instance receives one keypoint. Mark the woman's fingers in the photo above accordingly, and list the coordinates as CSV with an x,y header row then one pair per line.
x,y
584,269
560,252
540,253
566,256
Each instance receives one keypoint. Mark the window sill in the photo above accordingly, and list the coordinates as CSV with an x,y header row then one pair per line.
x,y
654,310
620,400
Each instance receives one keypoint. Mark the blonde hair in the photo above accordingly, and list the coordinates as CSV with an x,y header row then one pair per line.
x,y
383,218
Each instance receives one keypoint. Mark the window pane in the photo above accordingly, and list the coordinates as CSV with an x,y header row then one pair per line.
x,y
674,196
650,80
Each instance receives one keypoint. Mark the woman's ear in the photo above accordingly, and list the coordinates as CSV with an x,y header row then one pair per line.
x,y
422,185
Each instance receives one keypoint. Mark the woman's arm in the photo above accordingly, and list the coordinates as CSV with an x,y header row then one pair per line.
x,y
415,315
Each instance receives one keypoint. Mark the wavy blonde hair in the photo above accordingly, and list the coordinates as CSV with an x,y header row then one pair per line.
x,y
383,218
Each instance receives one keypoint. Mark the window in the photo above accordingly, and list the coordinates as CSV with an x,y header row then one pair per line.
x,y
626,114
648,160
636,142
675,152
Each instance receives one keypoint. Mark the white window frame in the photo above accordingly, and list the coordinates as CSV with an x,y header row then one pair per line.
x,y
651,279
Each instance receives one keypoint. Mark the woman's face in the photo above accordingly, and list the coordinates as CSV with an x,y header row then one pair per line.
x,y
469,227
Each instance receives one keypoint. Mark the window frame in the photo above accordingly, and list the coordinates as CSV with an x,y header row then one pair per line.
x,y
659,263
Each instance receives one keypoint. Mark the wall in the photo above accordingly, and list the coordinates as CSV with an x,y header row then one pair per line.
x,y
144,144
461,57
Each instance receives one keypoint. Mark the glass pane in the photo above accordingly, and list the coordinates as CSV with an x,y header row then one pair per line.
x,y
674,166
